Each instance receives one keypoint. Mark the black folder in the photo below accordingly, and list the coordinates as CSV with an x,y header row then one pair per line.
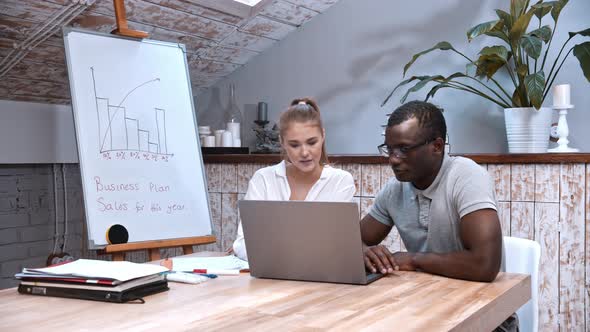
x,y
107,295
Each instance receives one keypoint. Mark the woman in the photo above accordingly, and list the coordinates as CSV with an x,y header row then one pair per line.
x,y
304,174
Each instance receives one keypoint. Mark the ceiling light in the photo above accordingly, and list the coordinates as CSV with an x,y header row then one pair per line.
x,y
250,3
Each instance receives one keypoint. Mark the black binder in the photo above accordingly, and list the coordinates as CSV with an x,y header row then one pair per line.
x,y
131,294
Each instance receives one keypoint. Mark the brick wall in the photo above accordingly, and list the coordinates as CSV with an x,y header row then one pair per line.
x,y
27,212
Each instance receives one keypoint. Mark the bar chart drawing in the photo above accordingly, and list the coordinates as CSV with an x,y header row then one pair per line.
x,y
119,131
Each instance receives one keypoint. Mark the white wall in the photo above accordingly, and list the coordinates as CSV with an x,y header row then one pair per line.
x,y
352,55
33,133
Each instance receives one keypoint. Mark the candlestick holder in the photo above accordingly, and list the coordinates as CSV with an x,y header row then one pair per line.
x,y
267,139
260,123
562,130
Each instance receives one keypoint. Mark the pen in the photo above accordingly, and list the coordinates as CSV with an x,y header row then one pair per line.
x,y
218,272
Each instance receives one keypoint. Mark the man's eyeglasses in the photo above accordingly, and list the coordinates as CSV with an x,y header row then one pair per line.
x,y
401,152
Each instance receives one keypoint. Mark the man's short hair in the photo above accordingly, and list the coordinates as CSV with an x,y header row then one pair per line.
x,y
430,118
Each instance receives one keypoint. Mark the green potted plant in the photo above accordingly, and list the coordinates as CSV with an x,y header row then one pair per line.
x,y
520,51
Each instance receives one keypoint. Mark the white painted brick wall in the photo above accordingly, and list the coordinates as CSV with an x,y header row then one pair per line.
x,y
14,220
27,217
9,235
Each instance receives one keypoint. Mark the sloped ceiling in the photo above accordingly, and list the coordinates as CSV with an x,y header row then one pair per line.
x,y
218,36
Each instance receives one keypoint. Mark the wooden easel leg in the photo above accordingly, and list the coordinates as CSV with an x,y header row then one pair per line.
x,y
187,250
118,256
154,254
122,26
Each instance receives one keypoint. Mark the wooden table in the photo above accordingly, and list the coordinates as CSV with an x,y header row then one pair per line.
x,y
406,301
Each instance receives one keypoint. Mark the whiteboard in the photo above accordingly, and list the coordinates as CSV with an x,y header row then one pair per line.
x,y
137,141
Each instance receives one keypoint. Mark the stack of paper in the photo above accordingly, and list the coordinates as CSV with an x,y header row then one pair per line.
x,y
189,264
94,280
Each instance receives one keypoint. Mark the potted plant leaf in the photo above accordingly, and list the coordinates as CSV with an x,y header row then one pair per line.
x,y
520,50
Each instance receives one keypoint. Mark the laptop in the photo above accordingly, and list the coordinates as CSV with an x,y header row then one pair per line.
x,y
308,241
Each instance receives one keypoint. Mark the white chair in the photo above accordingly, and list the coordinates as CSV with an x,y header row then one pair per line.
x,y
522,256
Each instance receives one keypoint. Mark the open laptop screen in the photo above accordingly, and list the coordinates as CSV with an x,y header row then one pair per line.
x,y
300,240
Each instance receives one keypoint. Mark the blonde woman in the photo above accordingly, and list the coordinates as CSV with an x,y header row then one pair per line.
x,y
304,174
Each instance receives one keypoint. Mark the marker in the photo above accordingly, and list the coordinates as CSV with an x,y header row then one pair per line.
x,y
218,272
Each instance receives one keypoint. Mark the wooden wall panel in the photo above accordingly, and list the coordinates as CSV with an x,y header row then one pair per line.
x,y
366,204
215,207
504,215
571,270
229,178
500,174
522,185
547,183
393,241
245,173
522,223
229,220
357,200
355,171
547,235
386,175
370,180
213,172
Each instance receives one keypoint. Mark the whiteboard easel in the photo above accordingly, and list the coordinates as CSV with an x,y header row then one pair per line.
x,y
139,151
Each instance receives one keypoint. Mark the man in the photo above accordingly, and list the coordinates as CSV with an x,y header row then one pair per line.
x,y
443,207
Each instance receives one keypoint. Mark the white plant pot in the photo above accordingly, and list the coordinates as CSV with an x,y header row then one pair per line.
x,y
528,129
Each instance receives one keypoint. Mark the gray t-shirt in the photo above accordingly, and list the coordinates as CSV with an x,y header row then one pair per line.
x,y
428,220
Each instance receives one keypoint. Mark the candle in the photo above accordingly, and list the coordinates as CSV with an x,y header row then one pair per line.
x,y
561,95
262,111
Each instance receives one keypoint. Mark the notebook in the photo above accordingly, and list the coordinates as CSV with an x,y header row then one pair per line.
x,y
299,240
94,286
108,295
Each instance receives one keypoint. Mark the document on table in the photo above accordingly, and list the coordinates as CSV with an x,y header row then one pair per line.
x,y
90,268
188,264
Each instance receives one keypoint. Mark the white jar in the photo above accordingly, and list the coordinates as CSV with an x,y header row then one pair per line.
x,y
218,135
234,128
209,141
227,140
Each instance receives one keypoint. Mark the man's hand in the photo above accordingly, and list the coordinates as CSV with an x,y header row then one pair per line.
x,y
379,259
405,260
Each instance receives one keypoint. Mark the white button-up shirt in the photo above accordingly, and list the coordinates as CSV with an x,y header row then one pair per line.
x,y
270,184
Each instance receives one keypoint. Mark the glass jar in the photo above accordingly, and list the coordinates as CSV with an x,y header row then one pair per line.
x,y
233,117
212,114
